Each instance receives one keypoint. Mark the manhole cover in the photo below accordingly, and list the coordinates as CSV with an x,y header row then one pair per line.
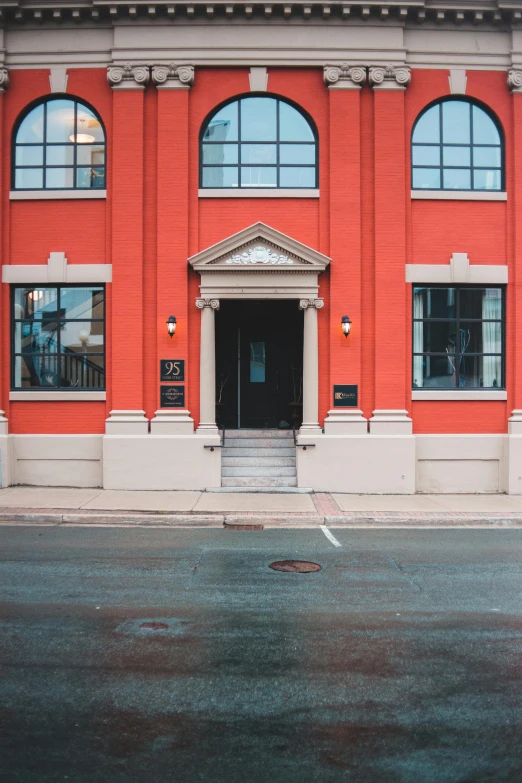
x,y
153,626
295,566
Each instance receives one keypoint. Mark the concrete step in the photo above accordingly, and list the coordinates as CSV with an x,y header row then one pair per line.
x,y
259,434
273,443
273,453
260,471
258,481
271,490
258,462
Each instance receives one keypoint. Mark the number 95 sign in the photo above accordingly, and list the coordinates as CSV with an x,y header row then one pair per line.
x,y
172,369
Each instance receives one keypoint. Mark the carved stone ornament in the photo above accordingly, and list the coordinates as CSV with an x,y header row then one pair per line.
x,y
385,75
259,255
304,304
213,303
182,74
4,79
333,74
514,81
124,75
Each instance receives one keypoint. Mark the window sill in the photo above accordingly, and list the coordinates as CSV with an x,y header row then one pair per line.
x,y
459,396
459,195
57,396
44,195
258,193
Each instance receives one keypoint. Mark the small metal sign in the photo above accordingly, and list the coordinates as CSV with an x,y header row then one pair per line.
x,y
172,370
172,396
345,396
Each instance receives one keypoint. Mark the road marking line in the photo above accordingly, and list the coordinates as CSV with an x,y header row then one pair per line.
x,y
329,535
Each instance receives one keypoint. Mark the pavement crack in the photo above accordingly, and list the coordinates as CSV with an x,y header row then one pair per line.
x,y
405,573
197,564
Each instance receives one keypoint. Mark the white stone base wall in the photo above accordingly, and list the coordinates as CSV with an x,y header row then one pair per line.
x,y
56,460
461,463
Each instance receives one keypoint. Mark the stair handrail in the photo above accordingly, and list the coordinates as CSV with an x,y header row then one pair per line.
x,y
303,446
221,444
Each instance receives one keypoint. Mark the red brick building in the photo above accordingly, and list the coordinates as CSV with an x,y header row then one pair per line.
x,y
258,172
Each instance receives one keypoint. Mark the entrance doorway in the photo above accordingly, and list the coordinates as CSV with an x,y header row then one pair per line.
x,y
259,364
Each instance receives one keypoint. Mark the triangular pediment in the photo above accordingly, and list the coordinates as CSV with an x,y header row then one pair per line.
x,y
259,247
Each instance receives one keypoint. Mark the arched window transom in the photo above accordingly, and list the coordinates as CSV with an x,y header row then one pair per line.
x,y
456,145
258,142
59,145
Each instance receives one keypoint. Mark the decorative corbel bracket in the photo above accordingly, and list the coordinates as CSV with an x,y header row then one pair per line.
x,y
4,79
128,77
514,81
344,76
389,77
173,77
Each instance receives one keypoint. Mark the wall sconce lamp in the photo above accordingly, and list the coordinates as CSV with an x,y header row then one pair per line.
x,y
346,325
171,326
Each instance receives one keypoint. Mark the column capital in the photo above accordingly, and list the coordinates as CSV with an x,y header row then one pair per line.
x,y
304,304
344,76
514,81
212,303
389,77
4,79
128,77
173,77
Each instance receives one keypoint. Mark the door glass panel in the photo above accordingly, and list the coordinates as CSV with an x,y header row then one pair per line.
x,y
257,362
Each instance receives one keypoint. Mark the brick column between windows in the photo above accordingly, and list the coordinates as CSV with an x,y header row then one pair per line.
x,y
4,319
514,352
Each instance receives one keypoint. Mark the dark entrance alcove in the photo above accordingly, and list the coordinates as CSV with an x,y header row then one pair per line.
x,y
259,363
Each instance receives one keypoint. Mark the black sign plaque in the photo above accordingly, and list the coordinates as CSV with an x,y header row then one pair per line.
x,y
172,396
345,396
172,370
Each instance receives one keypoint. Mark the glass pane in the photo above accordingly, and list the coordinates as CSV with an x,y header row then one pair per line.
x,y
60,155
480,303
484,129
259,153
29,156
82,371
220,177
455,122
36,336
60,120
220,153
59,178
425,156
297,153
257,177
438,372
36,371
90,177
456,156
257,362
297,177
426,178
480,337
77,337
31,128
457,179
223,125
90,154
486,180
82,302
487,156
436,303
427,129
28,179
88,128
480,372
440,336
292,125
258,119
35,303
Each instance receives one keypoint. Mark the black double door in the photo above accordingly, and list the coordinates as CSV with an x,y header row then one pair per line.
x,y
259,364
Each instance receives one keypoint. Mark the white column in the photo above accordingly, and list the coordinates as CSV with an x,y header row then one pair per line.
x,y
207,371
310,426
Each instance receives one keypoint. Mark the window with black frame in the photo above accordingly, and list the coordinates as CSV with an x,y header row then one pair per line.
x,y
258,142
458,337
58,337
59,145
456,145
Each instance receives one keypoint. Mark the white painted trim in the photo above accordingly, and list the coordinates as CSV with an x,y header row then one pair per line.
x,y
458,396
459,270
459,195
257,193
57,396
46,195
57,270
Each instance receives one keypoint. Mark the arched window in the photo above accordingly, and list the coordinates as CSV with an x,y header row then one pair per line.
x,y
59,145
456,145
258,142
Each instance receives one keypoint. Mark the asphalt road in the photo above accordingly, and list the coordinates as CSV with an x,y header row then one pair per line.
x,y
401,660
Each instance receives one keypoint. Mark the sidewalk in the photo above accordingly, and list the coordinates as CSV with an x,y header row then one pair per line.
x,y
47,505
